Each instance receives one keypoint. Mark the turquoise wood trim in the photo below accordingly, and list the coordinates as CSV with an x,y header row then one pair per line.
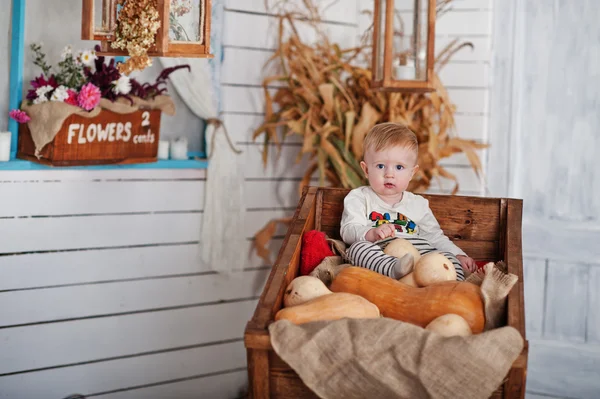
x,y
20,164
17,47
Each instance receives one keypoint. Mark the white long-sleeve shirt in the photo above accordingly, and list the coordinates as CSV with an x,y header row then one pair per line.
x,y
364,210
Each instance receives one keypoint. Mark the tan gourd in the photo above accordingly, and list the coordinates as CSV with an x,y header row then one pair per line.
x,y
330,307
400,247
409,279
413,305
302,289
450,325
433,268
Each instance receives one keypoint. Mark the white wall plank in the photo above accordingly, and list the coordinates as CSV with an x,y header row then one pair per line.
x,y
47,345
468,180
534,276
330,10
251,100
224,386
566,301
18,272
44,305
558,240
261,31
563,369
125,373
257,68
593,322
86,197
242,126
72,198
78,232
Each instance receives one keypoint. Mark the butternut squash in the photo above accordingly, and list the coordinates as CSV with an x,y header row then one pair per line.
x,y
418,306
330,307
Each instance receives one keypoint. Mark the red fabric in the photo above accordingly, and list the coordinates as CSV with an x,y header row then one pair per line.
x,y
481,263
314,250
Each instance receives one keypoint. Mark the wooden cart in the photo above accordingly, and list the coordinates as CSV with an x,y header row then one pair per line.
x,y
488,229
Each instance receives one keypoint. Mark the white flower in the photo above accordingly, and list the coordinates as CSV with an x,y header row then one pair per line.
x,y
40,100
66,53
60,94
42,91
122,85
88,57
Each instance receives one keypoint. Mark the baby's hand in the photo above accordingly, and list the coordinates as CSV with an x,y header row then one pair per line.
x,y
467,263
381,232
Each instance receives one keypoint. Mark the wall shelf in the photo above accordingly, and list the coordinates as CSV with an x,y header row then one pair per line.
x,y
20,164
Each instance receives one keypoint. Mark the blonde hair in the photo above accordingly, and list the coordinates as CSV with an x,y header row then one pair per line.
x,y
390,134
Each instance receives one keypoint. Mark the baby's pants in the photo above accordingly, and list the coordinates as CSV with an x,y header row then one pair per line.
x,y
371,256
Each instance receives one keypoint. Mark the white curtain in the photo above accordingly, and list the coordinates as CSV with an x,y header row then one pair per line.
x,y
222,239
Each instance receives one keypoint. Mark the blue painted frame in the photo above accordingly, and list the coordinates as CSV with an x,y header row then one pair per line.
x,y
17,43
17,50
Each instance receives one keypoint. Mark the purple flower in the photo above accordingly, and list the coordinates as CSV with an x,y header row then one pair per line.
x,y
88,97
19,116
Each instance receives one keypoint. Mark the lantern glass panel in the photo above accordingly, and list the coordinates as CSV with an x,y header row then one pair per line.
x,y
409,57
104,16
186,21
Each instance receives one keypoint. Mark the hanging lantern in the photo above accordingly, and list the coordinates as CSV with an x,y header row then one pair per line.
x,y
148,28
403,45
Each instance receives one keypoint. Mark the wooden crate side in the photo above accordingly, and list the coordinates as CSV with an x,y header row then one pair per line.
x,y
258,373
514,387
284,382
467,218
287,264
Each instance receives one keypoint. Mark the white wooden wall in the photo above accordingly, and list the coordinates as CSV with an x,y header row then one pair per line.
x,y
100,289
544,121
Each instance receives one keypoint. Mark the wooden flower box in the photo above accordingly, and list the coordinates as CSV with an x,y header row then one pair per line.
x,y
107,138
488,229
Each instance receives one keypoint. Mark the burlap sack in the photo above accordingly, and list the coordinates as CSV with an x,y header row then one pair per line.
x,y
385,358
48,117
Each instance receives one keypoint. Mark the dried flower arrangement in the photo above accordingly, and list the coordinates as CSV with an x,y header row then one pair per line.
x,y
327,101
137,24
83,79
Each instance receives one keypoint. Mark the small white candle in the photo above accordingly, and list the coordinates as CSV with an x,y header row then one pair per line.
x,y
179,148
163,149
405,72
5,146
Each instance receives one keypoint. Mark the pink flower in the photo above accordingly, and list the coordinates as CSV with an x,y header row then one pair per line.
x,y
89,97
19,116
72,99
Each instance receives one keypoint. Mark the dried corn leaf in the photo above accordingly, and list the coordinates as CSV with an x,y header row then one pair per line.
x,y
264,236
326,92
368,118
350,117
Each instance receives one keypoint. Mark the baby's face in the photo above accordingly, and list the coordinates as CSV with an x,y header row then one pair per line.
x,y
389,171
